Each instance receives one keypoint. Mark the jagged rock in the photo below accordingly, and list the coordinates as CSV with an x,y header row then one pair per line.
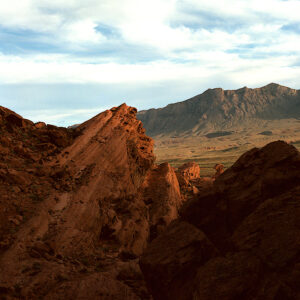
x,y
161,193
257,175
188,176
219,170
13,120
252,218
188,172
219,111
40,125
84,206
79,207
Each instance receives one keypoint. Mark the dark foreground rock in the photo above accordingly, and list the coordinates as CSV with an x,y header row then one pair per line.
x,y
78,208
250,233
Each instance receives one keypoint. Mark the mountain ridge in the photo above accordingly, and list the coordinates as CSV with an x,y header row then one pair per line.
x,y
218,109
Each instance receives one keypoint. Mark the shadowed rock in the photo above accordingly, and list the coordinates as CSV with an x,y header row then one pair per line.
x,y
252,218
78,208
219,170
169,271
161,193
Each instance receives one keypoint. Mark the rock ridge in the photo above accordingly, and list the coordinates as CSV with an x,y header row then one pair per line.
x,y
75,206
219,110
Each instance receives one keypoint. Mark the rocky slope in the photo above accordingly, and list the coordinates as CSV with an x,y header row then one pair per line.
x,y
81,209
240,240
216,112
78,207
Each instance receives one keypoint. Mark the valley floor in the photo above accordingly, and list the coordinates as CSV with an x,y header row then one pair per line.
x,y
223,149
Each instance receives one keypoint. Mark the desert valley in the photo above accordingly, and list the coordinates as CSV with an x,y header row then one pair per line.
x,y
219,126
127,205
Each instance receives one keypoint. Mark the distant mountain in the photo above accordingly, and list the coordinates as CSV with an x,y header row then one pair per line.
x,y
218,109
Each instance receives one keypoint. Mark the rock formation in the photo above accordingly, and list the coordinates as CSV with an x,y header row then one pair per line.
x,y
219,170
241,240
188,176
188,172
162,192
78,206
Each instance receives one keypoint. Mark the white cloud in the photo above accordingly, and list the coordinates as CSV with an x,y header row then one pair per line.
x,y
60,69
144,22
83,32
239,41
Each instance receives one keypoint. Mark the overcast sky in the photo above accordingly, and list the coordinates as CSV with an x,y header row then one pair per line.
x,y
63,61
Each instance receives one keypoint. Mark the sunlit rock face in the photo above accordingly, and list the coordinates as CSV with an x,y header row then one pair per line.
x,y
75,206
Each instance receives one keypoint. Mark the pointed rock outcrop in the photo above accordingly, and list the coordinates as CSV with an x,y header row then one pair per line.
x,y
75,206
161,192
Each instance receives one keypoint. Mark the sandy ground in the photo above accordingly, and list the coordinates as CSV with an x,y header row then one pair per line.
x,y
225,149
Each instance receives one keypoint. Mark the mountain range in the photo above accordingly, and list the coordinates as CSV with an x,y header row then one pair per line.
x,y
219,110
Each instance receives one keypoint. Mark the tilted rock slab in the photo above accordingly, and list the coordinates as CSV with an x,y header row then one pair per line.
x,y
88,220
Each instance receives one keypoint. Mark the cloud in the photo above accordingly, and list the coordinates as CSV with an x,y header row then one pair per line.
x,y
165,26
147,46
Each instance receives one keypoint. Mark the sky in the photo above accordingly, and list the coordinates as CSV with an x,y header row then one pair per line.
x,y
64,61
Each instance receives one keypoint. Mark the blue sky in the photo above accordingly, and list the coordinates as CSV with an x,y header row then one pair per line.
x,y
63,61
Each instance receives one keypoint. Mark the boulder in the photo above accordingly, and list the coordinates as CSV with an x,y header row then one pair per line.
x,y
257,175
188,172
219,170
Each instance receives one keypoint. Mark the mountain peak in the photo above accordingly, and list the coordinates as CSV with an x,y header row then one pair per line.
x,y
274,85
223,109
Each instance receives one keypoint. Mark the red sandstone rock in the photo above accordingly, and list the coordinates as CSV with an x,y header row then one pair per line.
x,y
234,276
219,170
187,172
84,206
171,260
40,125
257,175
79,206
191,184
252,218
161,193
95,286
